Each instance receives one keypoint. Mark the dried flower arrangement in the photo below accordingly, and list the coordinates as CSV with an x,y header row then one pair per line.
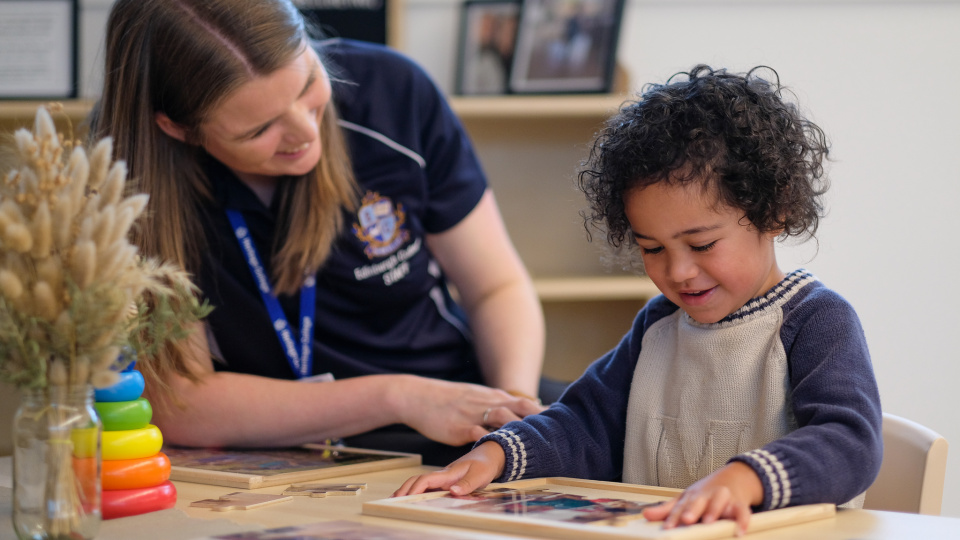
x,y
74,292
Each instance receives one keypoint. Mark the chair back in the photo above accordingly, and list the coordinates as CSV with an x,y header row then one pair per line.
x,y
913,469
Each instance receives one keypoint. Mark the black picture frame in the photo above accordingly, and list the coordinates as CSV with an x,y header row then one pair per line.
x,y
488,32
566,46
38,49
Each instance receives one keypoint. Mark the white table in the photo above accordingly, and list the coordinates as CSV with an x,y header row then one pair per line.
x,y
185,523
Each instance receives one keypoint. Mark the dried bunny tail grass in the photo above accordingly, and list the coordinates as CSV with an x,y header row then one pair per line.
x,y
83,263
112,188
11,213
57,373
72,286
127,212
65,326
62,216
81,370
27,146
42,231
45,302
104,378
10,285
50,270
17,237
100,162
106,226
113,260
87,227
90,207
44,128
78,171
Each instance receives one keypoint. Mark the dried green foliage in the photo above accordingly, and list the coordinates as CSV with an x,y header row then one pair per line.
x,y
73,291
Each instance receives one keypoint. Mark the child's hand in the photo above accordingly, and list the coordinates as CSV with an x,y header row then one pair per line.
x,y
728,493
465,475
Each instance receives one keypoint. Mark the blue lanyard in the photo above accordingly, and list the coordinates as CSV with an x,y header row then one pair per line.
x,y
301,362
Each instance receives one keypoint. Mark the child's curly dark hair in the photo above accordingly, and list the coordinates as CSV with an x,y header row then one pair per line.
x,y
733,132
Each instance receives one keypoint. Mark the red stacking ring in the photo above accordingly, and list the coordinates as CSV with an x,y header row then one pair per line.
x,y
130,502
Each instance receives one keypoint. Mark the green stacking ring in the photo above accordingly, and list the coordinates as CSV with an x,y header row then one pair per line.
x,y
121,415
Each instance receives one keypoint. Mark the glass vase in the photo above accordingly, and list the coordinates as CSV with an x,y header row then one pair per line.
x,y
56,464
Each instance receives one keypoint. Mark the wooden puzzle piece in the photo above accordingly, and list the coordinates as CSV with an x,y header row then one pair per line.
x,y
324,490
240,501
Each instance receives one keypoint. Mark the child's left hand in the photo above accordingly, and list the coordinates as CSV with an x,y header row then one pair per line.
x,y
728,493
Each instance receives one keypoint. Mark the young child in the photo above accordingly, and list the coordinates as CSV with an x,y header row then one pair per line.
x,y
751,388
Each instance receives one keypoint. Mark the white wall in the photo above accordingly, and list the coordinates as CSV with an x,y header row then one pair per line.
x,y
882,78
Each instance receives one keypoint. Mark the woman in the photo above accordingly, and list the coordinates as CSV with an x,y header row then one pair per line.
x,y
324,188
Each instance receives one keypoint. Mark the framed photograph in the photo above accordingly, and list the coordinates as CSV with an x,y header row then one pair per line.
x,y
488,33
569,508
566,46
257,468
38,49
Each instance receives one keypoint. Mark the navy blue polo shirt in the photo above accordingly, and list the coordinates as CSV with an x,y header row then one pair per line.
x,y
382,302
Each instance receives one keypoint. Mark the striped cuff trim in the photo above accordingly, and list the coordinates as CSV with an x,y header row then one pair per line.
x,y
517,453
776,475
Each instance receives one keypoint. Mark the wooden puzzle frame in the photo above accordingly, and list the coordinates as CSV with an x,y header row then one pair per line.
x,y
258,468
627,527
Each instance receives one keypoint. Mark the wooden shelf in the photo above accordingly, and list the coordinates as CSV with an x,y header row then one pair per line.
x,y
598,106
76,109
600,288
468,108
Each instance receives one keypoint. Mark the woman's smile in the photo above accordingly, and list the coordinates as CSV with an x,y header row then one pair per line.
x,y
293,152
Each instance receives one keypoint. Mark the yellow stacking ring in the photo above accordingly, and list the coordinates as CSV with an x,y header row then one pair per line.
x,y
136,473
132,443
122,415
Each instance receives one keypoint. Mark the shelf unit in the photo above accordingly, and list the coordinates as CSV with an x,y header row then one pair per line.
x,y
530,147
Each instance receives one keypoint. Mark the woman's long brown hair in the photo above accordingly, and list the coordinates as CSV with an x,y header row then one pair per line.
x,y
182,58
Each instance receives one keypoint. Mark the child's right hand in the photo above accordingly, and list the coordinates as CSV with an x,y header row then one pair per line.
x,y
465,475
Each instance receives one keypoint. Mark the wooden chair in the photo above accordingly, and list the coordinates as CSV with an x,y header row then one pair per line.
x,y
914,465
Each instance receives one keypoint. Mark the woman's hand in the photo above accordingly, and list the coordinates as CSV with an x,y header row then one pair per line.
x,y
728,493
465,475
456,413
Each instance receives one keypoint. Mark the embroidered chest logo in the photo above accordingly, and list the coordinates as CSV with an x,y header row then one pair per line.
x,y
381,225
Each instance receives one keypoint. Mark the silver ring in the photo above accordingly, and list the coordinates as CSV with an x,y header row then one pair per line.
x,y
486,414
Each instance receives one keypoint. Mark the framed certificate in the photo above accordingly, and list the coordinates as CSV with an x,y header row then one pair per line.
x,y
38,49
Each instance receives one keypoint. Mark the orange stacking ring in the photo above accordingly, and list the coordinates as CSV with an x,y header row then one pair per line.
x,y
136,473
131,443
130,502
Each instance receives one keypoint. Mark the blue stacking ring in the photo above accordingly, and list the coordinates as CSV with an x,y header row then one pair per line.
x,y
128,389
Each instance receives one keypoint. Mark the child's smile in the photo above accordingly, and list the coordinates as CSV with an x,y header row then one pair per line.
x,y
704,257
